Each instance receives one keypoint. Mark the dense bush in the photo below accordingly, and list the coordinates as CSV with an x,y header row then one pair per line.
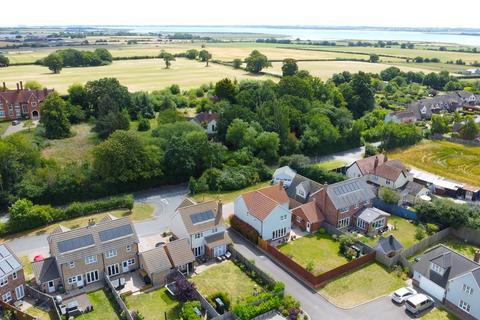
x,y
77,58
264,303
188,312
448,213
25,215
223,296
320,175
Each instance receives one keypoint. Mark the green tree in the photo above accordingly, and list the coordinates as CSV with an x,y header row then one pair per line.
x,y
295,86
4,61
77,95
33,85
107,95
374,58
225,89
470,129
319,136
267,145
28,123
237,63
439,124
191,54
54,62
167,58
143,124
55,117
388,195
257,61
104,55
124,157
359,94
205,56
289,67
108,123
236,133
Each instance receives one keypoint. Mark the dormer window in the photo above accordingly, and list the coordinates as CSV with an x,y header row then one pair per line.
x,y
437,269
343,210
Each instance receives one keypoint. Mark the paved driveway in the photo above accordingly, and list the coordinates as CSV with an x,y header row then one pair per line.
x,y
19,127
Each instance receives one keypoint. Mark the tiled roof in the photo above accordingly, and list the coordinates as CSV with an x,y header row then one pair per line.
x,y
218,239
311,211
371,214
388,244
45,270
412,188
350,192
185,203
206,117
455,263
310,185
208,208
179,252
390,170
23,96
156,260
77,243
366,165
260,203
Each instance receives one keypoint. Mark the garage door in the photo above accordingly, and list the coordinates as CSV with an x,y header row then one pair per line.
x,y
432,288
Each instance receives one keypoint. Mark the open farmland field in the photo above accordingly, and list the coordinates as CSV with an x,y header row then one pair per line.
x,y
325,69
137,75
450,160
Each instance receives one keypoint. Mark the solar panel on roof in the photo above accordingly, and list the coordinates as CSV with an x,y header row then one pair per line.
x,y
5,267
202,217
4,252
115,233
75,243
13,262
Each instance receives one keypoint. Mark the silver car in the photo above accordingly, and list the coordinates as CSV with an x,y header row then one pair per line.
x,y
418,303
403,294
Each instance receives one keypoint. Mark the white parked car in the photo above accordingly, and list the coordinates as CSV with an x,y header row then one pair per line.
x,y
418,303
403,294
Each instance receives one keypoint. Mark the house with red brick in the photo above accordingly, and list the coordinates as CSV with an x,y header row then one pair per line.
x,y
12,278
266,210
21,103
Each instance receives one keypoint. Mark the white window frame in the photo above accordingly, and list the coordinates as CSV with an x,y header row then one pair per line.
x,y
129,247
283,217
91,259
7,297
14,275
22,292
464,306
467,289
71,264
111,253
131,261
437,269
362,224
3,281
214,230
342,223
198,235
343,210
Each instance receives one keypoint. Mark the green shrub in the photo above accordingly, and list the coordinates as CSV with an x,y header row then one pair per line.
x,y
432,228
143,124
419,232
223,296
187,312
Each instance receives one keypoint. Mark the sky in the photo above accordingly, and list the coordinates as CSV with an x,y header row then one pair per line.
x,y
401,13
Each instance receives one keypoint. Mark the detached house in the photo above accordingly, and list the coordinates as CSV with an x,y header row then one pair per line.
x,y
380,171
266,210
21,103
342,202
12,279
451,278
207,120
202,224
89,254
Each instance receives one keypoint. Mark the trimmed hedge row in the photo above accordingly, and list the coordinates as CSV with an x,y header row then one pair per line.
x,y
24,215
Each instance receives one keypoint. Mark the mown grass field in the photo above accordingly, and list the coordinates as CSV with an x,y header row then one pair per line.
x,y
447,159
361,285
154,304
149,74
325,69
404,232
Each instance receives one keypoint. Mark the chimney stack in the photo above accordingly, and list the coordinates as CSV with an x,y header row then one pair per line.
x,y
21,85
375,164
220,207
476,258
280,184
4,86
18,87
91,222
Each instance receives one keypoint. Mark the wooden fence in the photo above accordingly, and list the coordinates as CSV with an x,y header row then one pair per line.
x,y
467,234
119,300
426,243
17,313
48,299
317,281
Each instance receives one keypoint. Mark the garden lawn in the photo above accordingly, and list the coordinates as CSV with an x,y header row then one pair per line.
x,y
404,232
450,160
27,267
40,314
439,314
154,304
227,196
141,211
361,285
318,251
226,277
104,307
458,245
330,165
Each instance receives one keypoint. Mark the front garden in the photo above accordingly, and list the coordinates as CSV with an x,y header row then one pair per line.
x,y
361,285
317,253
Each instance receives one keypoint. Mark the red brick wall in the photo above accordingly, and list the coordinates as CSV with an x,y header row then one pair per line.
x,y
12,284
317,281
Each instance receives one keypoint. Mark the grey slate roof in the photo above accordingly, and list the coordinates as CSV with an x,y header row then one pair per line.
x,y
371,214
347,193
156,260
388,244
476,275
454,263
45,270
310,186
187,213
8,261
412,188
77,243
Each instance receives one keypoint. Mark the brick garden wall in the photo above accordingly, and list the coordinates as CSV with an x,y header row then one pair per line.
x,y
317,281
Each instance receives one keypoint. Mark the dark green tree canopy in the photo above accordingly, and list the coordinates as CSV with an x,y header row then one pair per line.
x,y
256,62
55,117
289,67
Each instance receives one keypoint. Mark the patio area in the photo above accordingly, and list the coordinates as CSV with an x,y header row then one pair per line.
x,y
132,282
